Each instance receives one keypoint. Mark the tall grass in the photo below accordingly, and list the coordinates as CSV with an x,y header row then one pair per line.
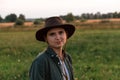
x,y
95,54
17,50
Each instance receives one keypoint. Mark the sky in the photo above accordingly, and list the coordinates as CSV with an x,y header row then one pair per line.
x,y
48,8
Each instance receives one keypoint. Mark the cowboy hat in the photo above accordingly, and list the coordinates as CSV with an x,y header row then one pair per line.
x,y
54,22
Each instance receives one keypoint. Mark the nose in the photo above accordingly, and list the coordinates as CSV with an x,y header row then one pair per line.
x,y
57,36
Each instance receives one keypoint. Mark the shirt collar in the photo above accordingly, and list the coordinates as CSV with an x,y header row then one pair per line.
x,y
52,53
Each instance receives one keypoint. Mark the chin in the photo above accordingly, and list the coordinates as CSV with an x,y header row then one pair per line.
x,y
58,47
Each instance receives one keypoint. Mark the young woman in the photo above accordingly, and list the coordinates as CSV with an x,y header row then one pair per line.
x,y
54,63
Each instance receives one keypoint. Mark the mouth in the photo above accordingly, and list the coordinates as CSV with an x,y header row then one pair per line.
x,y
59,42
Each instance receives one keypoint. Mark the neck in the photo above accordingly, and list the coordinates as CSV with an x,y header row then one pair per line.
x,y
58,51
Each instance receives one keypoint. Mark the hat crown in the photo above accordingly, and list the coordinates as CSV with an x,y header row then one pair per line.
x,y
53,21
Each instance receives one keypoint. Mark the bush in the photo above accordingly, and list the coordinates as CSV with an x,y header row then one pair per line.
x,y
83,20
19,22
37,21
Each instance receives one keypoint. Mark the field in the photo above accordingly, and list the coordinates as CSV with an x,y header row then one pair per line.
x,y
95,52
11,24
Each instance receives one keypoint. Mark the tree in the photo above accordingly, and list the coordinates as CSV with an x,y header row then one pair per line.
x,y
11,18
1,19
77,17
119,15
97,15
37,22
22,17
110,15
84,16
115,15
69,17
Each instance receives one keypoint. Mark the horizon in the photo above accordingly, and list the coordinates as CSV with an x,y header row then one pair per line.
x,y
57,15
46,8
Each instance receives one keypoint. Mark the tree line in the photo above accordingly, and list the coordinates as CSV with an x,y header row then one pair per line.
x,y
98,15
12,18
68,17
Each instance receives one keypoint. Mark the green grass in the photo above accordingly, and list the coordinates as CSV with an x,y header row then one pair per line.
x,y
95,53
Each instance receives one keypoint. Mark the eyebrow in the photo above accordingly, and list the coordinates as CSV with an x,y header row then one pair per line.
x,y
52,33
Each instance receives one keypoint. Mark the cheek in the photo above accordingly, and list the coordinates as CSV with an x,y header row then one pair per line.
x,y
66,35
65,38
49,40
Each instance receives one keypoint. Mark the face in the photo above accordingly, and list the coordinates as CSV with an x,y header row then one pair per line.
x,y
56,37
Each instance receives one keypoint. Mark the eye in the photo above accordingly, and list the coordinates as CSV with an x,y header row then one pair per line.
x,y
61,32
52,34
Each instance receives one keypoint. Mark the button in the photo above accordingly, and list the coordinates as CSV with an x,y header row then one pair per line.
x,y
56,55
52,55
59,63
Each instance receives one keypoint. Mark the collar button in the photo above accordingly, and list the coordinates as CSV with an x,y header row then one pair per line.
x,y
52,55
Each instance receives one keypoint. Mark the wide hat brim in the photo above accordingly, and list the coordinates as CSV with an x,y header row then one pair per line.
x,y
69,28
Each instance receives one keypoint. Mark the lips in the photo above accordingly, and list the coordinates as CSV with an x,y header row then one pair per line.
x,y
58,42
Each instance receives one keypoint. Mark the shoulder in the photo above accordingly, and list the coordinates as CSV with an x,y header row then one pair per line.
x,y
39,64
41,58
